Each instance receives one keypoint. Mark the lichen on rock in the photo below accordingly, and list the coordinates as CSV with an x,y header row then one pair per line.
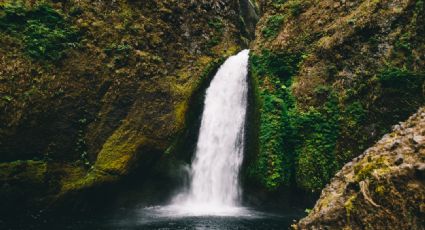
x,y
376,190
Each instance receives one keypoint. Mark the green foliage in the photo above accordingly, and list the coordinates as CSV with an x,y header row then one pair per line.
x,y
278,3
400,79
295,147
365,170
120,52
419,6
354,114
213,42
273,26
298,147
296,7
274,165
403,43
282,65
217,24
316,131
81,145
43,30
403,89
7,98
218,29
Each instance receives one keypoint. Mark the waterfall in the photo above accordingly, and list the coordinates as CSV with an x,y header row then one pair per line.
x,y
214,185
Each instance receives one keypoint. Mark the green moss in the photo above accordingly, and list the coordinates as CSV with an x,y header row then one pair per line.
x,y
380,190
121,54
296,7
273,25
354,114
43,30
76,179
218,30
217,24
401,85
119,150
274,165
400,79
32,172
364,169
349,206
188,112
316,132
403,43
295,146
213,42
279,64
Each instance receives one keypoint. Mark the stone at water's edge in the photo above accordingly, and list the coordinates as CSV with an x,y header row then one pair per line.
x,y
384,188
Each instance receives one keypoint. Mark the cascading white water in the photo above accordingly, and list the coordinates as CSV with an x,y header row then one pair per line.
x,y
214,187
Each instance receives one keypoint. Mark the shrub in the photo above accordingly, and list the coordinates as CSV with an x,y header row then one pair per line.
x,y
272,26
282,65
317,131
296,7
44,31
295,147
400,79
401,92
217,24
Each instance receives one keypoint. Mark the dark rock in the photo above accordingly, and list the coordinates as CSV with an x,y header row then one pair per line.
x,y
420,171
397,187
353,186
399,160
394,144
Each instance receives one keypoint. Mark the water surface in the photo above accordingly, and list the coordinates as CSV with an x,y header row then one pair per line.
x,y
161,217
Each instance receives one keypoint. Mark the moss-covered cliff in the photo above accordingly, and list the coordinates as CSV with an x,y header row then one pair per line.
x,y
381,189
90,91
333,77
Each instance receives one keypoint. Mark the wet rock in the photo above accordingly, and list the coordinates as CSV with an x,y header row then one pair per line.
x,y
420,170
399,160
418,139
386,178
394,144
353,186
396,127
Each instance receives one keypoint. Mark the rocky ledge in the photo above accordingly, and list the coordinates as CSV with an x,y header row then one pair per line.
x,y
384,188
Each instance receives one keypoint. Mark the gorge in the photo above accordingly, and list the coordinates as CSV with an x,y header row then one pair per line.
x,y
151,114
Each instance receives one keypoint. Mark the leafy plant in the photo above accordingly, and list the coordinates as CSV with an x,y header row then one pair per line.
x,y
296,7
278,3
282,65
400,78
273,26
217,24
44,31
317,131
295,146
218,29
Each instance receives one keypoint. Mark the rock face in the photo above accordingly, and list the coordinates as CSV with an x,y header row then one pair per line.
x,y
92,90
384,188
89,91
333,77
